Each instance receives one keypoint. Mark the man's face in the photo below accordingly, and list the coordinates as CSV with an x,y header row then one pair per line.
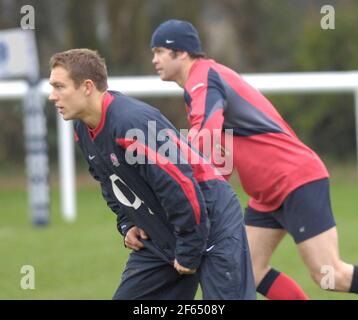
x,y
166,64
69,100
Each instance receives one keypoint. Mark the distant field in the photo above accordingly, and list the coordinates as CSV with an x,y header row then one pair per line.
x,y
84,260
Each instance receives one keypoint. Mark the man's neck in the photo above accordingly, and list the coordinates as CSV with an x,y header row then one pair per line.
x,y
94,114
184,74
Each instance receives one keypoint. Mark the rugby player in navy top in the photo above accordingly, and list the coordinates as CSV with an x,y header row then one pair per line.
x,y
287,182
180,217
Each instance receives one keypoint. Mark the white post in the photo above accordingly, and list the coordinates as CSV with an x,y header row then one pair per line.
x,y
66,159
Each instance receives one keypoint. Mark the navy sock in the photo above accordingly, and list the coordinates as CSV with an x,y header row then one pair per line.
x,y
354,286
267,281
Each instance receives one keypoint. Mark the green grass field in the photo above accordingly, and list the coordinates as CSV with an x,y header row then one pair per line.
x,y
84,260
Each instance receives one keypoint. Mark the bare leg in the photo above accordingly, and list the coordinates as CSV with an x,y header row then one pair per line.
x,y
321,256
262,243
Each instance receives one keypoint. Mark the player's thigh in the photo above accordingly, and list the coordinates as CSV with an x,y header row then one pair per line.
x,y
226,270
149,277
264,233
320,252
321,256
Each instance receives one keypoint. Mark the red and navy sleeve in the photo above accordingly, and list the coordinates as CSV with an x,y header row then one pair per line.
x,y
205,102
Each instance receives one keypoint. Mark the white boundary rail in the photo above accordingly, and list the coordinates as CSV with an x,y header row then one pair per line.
x,y
153,86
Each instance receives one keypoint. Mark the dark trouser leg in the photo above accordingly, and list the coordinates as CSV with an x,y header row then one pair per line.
x,y
147,277
226,271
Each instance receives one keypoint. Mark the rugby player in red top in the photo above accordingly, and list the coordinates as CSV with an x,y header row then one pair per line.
x,y
287,182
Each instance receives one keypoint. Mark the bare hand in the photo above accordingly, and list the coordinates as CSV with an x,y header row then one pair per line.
x,y
132,239
181,269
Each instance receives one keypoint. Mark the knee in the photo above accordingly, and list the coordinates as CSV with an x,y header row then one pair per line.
x,y
335,278
324,276
320,276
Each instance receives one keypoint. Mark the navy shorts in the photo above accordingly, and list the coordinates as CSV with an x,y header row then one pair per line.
x,y
305,213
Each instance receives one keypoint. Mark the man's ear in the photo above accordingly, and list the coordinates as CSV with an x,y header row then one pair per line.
x,y
183,55
88,87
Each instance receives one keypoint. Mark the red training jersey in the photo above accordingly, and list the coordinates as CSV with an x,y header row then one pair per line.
x,y
270,159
